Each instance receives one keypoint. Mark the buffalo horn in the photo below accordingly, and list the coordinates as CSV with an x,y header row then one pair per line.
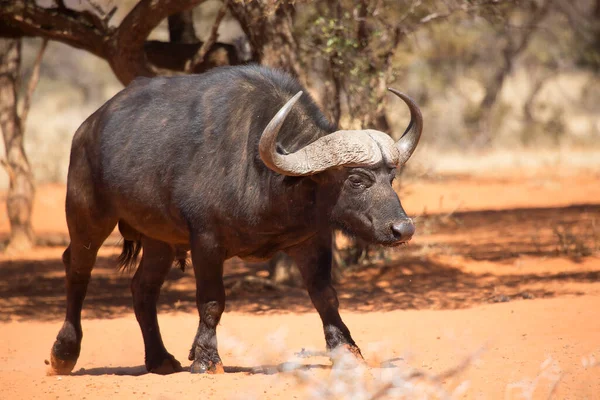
x,y
410,138
341,148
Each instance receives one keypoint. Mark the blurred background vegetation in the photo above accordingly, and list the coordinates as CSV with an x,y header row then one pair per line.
x,y
486,76
505,79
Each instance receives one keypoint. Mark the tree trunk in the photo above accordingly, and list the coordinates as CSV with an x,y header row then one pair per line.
x,y
515,46
19,201
596,26
269,28
181,27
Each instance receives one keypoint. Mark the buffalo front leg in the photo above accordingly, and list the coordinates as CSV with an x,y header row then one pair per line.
x,y
210,299
157,259
314,259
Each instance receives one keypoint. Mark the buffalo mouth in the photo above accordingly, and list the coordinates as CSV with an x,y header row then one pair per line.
x,y
394,239
375,238
398,243
394,243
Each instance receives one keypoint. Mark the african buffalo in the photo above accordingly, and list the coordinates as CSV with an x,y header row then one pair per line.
x,y
233,162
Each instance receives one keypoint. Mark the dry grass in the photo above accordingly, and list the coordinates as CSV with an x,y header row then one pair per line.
x,y
530,388
349,378
574,243
393,378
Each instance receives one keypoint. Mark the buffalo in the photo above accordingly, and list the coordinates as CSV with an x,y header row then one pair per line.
x,y
238,161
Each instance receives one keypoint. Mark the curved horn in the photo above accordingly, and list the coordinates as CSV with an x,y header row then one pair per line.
x,y
363,147
267,146
410,138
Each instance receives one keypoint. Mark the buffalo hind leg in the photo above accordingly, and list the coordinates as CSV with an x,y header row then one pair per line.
x,y
90,221
79,259
210,299
314,260
157,259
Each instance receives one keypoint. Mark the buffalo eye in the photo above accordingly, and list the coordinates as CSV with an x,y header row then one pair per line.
x,y
358,182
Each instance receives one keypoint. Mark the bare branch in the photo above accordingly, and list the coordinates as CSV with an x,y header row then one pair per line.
x,y
411,10
212,38
125,48
108,16
532,25
64,25
97,7
434,17
31,85
102,17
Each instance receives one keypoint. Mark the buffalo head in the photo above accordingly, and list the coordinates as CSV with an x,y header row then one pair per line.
x,y
356,168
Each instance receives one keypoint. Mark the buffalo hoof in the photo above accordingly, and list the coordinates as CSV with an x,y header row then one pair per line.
x,y
60,367
168,366
354,350
210,367
64,353
347,356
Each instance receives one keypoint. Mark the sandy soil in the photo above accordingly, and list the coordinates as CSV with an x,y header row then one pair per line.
x,y
504,274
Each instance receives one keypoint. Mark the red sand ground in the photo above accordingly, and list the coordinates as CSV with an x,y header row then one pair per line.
x,y
509,263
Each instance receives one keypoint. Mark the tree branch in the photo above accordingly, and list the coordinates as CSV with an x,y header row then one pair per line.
x,y
126,46
104,15
210,41
433,17
268,26
31,85
67,26
532,25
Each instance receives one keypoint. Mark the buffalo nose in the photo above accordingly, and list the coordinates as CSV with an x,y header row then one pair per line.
x,y
403,230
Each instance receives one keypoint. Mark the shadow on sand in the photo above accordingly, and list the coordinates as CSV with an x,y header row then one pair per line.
x,y
417,279
140,370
